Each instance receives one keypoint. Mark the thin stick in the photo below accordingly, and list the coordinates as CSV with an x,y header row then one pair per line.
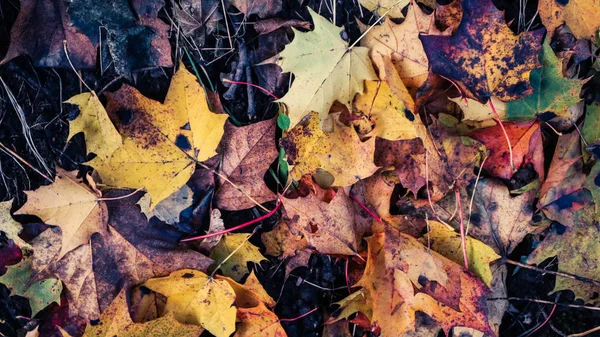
x,y
121,197
534,300
299,317
557,273
245,224
463,239
15,155
234,251
252,85
73,67
473,195
375,216
374,24
512,164
544,322
585,333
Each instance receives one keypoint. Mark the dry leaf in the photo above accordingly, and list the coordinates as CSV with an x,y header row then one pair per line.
x,y
232,254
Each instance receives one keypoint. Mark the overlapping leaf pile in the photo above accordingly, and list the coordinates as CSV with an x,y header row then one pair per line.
x,y
416,152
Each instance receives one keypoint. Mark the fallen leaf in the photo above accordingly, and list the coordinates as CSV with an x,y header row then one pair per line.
x,y
552,91
263,9
216,225
71,205
40,294
250,294
127,26
258,321
115,321
11,228
497,219
565,174
169,209
282,242
577,14
197,299
577,251
405,158
391,8
43,39
320,80
392,119
161,142
247,154
526,143
101,136
401,43
591,127
394,261
233,253
489,59
475,111
328,227
447,242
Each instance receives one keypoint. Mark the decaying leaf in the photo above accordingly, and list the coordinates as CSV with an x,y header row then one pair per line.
x,y
475,111
247,154
10,227
71,205
392,8
447,242
579,15
258,321
552,91
161,142
397,265
327,226
325,70
526,144
197,299
577,251
115,321
232,254
250,294
40,294
102,138
489,60
401,43
170,208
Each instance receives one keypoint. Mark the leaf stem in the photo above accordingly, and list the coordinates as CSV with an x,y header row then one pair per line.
x,y
512,164
375,216
252,85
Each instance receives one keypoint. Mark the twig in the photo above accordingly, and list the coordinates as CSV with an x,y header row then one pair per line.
x,y
585,333
245,224
463,239
15,155
121,197
557,273
473,195
234,251
534,300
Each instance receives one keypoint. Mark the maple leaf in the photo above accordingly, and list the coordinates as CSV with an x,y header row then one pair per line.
x,y
42,39
198,299
397,265
71,205
325,70
115,321
282,242
447,242
102,138
12,228
392,8
392,119
161,142
475,111
250,294
328,227
401,43
487,59
577,251
577,14
232,254
526,144
263,9
497,219
40,294
591,127
247,154
258,321
170,208
552,92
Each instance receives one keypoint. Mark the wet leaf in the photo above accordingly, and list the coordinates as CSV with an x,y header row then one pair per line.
x,y
233,253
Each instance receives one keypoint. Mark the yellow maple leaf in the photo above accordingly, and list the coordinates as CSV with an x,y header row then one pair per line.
x,y
325,70
392,8
162,142
447,242
71,205
115,321
197,299
580,15
258,321
232,254
10,227
250,294
101,136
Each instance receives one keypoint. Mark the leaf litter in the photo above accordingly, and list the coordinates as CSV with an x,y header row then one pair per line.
x,y
409,168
